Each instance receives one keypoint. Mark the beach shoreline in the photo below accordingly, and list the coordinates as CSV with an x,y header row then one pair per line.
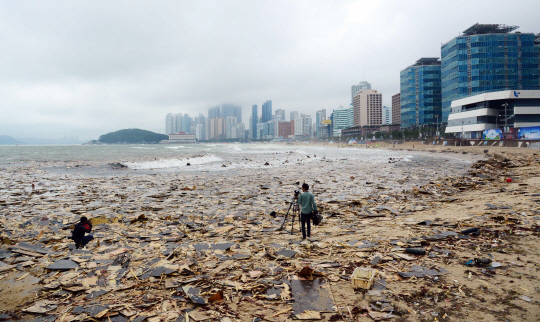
x,y
370,217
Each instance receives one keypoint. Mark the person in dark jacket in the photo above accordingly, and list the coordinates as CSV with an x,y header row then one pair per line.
x,y
85,226
308,207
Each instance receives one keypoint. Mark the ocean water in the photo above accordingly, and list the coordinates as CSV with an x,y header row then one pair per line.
x,y
168,156
201,157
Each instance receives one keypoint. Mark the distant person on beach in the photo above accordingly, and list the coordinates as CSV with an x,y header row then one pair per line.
x,y
307,207
83,227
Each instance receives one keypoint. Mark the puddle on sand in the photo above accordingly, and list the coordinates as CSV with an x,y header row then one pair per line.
x,y
15,293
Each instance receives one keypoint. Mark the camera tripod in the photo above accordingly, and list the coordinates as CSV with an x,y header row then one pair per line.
x,y
295,211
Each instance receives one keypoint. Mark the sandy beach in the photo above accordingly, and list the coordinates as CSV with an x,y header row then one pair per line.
x,y
203,245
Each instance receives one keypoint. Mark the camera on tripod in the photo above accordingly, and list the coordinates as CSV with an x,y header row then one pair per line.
x,y
295,211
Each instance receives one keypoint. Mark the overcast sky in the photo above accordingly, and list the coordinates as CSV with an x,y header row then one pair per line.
x,y
91,67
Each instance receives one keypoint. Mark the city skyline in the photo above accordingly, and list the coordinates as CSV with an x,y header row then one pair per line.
x,y
66,72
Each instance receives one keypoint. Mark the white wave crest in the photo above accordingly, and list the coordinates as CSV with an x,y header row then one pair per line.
x,y
172,163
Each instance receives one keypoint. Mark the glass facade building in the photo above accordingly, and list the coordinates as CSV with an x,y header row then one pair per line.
x,y
420,93
488,58
357,88
254,121
267,111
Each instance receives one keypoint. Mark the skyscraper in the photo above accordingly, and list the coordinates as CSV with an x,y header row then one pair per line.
x,y
214,112
343,119
199,119
302,126
267,111
200,132
230,127
386,115
254,121
186,124
169,124
487,58
367,108
215,129
177,122
357,88
231,110
319,117
294,115
281,113
420,87
396,109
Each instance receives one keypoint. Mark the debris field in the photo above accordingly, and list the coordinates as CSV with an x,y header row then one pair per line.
x,y
458,245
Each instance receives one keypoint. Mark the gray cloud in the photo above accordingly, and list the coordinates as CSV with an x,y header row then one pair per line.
x,y
90,67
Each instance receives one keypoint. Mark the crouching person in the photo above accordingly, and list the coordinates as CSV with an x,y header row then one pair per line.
x,y
78,233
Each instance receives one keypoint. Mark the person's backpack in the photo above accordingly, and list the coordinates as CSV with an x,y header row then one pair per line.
x,y
317,218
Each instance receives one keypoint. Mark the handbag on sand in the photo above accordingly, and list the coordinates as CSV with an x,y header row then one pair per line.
x,y
317,218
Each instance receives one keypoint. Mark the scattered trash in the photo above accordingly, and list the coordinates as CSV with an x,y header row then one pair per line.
x,y
205,248
415,251
482,261
470,231
362,278
525,298
309,315
310,296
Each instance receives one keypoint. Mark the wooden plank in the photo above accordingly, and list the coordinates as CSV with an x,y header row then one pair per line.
x,y
25,252
5,268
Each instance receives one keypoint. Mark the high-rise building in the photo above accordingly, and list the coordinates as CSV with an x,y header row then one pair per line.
x,y
387,115
186,123
200,132
281,113
199,119
250,128
487,58
367,108
343,119
214,112
276,119
230,127
177,122
215,129
420,93
284,129
169,124
303,126
260,131
396,109
357,88
319,117
267,111
254,122
231,110
240,130
293,115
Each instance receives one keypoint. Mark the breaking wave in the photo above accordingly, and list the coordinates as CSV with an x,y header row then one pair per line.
x,y
172,163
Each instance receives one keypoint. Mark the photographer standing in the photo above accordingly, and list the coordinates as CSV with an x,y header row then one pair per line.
x,y
308,206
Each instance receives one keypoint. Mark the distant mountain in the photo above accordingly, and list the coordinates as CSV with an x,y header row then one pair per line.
x,y
8,140
132,136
